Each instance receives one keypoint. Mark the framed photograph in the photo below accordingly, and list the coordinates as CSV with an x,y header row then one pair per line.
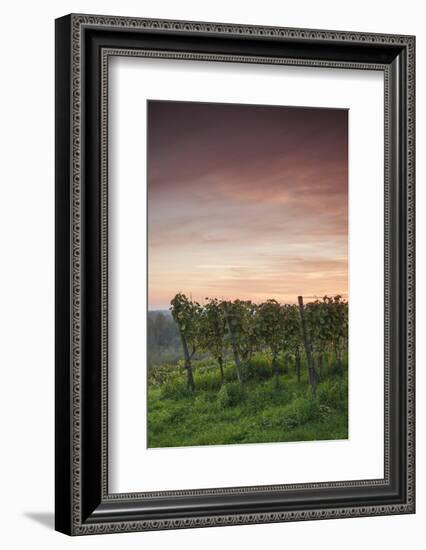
x,y
234,274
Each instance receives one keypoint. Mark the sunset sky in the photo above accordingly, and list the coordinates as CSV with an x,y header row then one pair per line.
x,y
246,202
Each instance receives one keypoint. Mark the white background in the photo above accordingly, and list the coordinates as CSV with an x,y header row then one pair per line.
x,y
26,218
132,81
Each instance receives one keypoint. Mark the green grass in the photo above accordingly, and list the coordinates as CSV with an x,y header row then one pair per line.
x,y
257,413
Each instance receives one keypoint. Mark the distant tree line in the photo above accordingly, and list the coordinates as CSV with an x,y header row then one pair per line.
x,y
164,344
241,328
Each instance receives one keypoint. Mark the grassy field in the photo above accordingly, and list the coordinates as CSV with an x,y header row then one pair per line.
x,y
256,413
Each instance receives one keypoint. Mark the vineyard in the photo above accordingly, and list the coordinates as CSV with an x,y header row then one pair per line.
x,y
252,373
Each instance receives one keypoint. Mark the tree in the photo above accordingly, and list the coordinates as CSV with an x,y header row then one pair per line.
x,y
313,377
327,321
269,320
338,321
212,332
319,330
186,314
240,322
292,335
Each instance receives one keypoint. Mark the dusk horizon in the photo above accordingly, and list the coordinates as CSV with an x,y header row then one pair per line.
x,y
246,202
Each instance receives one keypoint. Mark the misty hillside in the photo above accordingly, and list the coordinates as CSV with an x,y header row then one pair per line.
x,y
163,343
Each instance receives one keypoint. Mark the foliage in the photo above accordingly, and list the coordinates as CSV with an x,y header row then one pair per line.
x,y
253,396
230,395
242,328
328,323
255,413
300,412
212,331
333,393
270,326
259,367
186,314
292,337
212,328
240,319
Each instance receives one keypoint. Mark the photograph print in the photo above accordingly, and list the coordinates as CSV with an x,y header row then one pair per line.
x,y
247,322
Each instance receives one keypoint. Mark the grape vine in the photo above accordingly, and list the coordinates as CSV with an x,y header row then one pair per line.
x,y
240,328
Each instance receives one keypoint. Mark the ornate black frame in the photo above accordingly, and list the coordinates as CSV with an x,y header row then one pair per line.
x,y
83,46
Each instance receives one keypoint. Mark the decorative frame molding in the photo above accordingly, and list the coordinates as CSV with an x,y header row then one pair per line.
x,y
84,43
